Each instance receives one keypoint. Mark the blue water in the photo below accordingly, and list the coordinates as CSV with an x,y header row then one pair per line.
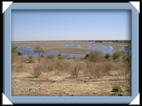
x,y
102,49
27,51
73,55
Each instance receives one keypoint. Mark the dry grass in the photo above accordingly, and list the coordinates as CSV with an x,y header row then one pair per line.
x,y
69,77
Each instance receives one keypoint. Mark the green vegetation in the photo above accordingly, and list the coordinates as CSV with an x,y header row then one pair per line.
x,y
107,56
19,53
116,55
94,56
16,52
126,57
117,90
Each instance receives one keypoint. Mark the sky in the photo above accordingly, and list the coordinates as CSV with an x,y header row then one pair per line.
x,y
70,25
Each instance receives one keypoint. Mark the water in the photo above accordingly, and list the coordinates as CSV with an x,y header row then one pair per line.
x,y
102,49
72,55
27,51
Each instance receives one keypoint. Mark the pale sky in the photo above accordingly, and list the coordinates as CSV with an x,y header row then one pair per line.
x,y
70,25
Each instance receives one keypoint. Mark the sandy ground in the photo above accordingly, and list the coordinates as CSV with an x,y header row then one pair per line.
x,y
62,85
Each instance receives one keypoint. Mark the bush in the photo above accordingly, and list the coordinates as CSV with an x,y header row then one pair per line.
x,y
94,56
116,55
19,53
117,89
126,58
107,56
16,52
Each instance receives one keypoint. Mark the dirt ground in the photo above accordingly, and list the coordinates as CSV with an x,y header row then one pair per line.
x,y
61,84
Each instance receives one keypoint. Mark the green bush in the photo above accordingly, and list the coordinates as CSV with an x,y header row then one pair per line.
x,y
91,56
116,55
107,56
117,89
19,53
16,52
126,58
94,56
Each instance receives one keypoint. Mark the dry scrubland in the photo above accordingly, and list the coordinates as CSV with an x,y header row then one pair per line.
x,y
57,76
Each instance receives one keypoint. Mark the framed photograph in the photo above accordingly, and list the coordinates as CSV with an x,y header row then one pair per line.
x,y
71,53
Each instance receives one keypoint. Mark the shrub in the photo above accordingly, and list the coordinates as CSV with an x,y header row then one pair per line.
x,y
94,56
116,55
19,53
117,90
107,56
15,51
126,57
